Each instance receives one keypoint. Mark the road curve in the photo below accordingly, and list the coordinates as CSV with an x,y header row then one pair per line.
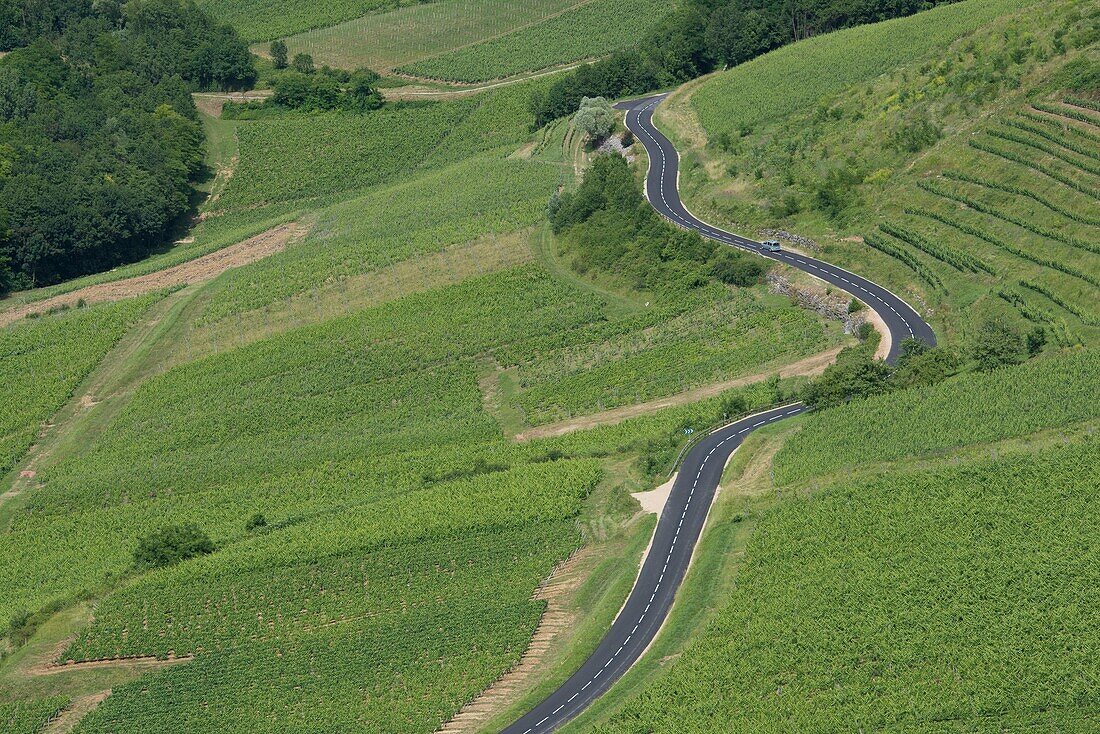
x,y
685,512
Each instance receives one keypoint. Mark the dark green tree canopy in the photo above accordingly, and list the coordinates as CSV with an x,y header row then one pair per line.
x,y
99,137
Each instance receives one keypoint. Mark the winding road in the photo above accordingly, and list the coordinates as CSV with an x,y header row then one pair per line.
x,y
688,505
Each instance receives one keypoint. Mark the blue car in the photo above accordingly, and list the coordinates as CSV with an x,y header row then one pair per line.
x,y
770,245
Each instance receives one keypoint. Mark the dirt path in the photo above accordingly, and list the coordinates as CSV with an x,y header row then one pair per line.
x,y
808,367
194,271
212,102
414,92
566,578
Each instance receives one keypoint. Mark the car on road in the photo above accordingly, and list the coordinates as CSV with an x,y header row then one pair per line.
x,y
770,245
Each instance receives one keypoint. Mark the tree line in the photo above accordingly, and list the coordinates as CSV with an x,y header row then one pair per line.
x,y
701,36
100,140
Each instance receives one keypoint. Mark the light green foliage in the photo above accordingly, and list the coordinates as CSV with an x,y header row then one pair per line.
x,y
795,77
29,717
43,360
595,118
384,41
713,336
264,20
590,30
972,408
953,600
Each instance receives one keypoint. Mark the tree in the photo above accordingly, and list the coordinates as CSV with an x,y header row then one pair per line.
x,y
362,94
595,118
278,54
997,344
302,63
171,545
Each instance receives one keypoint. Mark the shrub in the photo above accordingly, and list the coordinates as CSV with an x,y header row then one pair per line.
x,y
998,344
171,545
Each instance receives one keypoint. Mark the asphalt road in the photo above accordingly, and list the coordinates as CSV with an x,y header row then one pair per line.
x,y
685,513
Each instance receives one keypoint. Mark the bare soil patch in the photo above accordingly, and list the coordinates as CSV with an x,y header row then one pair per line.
x,y
808,367
563,580
194,271
654,501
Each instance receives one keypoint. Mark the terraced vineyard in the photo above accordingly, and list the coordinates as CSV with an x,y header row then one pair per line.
x,y
973,214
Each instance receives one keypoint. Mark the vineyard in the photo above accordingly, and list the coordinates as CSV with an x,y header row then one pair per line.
x,y
974,408
29,717
595,28
43,360
417,608
871,603
385,41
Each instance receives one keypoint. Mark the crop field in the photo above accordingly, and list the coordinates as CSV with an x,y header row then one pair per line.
x,y
672,350
385,41
870,604
29,717
974,408
594,28
352,634
390,517
43,360
437,209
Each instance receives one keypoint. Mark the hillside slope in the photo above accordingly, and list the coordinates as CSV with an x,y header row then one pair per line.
x,y
961,172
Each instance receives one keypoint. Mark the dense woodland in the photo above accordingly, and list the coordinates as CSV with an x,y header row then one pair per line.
x,y
99,138
704,35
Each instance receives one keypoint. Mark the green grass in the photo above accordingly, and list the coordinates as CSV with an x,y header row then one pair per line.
x,y
593,29
385,41
264,20
953,599
43,360
798,76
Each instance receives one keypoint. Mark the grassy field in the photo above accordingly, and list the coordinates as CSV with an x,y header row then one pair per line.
x,y
385,41
592,29
959,178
